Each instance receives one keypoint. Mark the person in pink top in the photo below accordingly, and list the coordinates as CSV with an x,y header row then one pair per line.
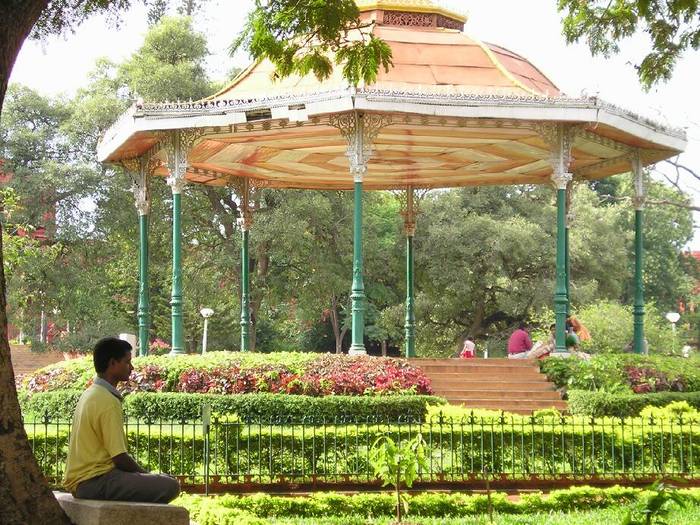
x,y
519,343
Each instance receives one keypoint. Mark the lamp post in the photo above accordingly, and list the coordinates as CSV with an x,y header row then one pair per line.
x,y
206,313
673,318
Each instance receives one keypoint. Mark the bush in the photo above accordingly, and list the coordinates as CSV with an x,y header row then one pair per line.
x,y
265,451
611,326
436,505
59,404
624,373
600,404
176,407
237,373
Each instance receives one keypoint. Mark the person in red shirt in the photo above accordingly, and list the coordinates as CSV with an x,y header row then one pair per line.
x,y
519,343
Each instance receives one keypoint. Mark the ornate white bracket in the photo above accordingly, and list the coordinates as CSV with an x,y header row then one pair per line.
x,y
138,170
560,138
178,145
640,186
359,130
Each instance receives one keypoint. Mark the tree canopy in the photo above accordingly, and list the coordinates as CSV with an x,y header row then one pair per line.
x,y
311,36
673,26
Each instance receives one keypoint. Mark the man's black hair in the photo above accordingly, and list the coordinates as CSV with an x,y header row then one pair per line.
x,y
108,348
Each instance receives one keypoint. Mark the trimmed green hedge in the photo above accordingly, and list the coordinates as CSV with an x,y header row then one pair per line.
x,y
266,451
600,404
434,505
169,406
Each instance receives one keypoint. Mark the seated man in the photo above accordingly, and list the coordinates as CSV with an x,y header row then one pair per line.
x,y
519,343
98,465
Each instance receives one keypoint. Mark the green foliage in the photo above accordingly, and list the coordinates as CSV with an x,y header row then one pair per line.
x,y
442,506
611,326
175,407
290,446
59,404
310,36
170,63
656,505
612,372
398,465
600,404
672,27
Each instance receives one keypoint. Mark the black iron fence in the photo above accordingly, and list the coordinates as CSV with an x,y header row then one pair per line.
x,y
291,449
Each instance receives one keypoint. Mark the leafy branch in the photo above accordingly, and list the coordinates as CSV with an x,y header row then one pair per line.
x,y
311,36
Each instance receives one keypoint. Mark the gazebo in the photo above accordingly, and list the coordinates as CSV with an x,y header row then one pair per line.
x,y
453,111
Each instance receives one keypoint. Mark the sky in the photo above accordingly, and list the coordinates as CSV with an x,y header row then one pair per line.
x,y
530,28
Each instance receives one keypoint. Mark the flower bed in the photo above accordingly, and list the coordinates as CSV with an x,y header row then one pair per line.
x,y
235,373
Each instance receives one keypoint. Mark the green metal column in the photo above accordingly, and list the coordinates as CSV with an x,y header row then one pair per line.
x,y
177,346
638,280
410,325
358,287
144,312
409,225
245,292
567,269
560,297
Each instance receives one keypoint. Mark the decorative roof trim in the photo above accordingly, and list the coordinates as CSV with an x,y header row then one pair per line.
x,y
412,6
222,113
474,99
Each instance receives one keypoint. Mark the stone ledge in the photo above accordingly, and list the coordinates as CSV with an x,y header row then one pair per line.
x,y
94,512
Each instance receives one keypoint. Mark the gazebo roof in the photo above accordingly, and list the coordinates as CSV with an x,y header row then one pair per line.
x,y
459,111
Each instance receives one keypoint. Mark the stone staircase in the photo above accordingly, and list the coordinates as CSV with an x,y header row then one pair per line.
x,y
512,385
25,361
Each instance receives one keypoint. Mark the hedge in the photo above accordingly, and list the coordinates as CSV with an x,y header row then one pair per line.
x,y
435,505
602,404
170,406
266,451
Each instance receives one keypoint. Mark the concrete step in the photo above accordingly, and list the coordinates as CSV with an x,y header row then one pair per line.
x,y
483,384
510,385
497,394
523,404
446,367
496,375
475,362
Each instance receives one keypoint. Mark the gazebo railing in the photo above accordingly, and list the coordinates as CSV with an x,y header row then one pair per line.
x,y
290,449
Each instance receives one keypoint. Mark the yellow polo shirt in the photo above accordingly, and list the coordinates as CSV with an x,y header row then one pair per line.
x,y
96,437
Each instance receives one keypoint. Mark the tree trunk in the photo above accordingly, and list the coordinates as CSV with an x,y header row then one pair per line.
x,y
25,497
262,265
335,324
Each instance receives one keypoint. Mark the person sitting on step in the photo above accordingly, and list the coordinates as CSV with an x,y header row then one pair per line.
x,y
98,465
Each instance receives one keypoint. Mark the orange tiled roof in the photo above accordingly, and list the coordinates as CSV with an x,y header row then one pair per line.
x,y
432,58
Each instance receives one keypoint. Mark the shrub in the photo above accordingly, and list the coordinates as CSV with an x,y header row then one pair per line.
x,y
601,404
59,404
176,407
436,505
236,373
618,373
266,451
